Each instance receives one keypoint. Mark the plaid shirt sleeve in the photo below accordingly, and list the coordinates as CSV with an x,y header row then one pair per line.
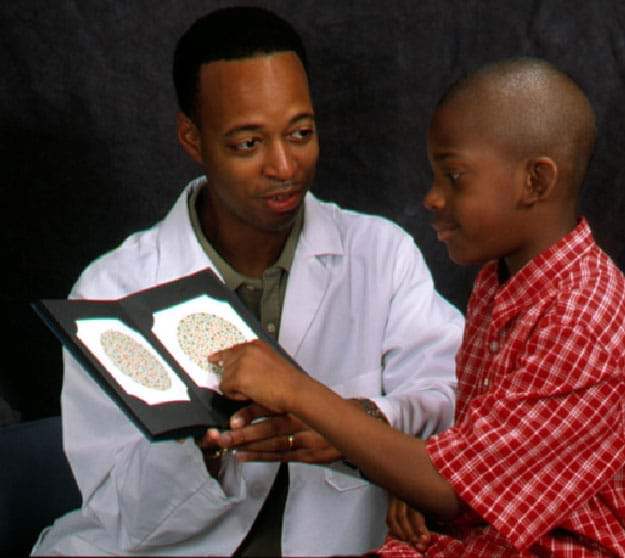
x,y
546,436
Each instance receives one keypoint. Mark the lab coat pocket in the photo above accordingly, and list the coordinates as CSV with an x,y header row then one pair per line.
x,y
342,477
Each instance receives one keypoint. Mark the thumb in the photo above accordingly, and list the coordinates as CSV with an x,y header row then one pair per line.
x,y
217,358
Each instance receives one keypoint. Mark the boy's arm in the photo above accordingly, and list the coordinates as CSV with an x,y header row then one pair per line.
x,y
411,349
396,461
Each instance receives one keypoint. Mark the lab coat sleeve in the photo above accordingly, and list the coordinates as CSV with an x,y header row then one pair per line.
x,y
422,335
145,494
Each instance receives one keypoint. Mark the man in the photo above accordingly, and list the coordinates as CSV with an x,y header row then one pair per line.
x,y
348,296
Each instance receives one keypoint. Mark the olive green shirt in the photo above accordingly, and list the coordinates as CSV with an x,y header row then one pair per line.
x,y
264,296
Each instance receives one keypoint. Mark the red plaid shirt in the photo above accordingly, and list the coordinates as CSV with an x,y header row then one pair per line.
x,y
537,452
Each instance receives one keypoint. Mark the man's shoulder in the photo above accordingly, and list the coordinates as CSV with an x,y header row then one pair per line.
x,y
135,263
351,222
121,270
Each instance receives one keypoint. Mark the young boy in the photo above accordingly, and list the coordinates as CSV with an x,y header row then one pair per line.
x,y
534,463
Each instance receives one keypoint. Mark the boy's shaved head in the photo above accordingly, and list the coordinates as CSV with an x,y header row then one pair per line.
x,y
532,108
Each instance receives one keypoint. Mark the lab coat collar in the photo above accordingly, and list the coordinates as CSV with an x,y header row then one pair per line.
x,y
180,253
320,234
309,279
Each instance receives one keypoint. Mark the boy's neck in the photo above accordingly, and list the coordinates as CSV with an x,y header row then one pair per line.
x,y
544,235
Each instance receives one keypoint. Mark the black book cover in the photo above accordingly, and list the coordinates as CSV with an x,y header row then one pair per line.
x,y
148,350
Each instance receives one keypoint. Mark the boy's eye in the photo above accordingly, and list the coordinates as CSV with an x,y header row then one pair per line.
x,y
453,177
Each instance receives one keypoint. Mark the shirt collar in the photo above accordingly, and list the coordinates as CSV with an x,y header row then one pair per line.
x,y
540,275
232,278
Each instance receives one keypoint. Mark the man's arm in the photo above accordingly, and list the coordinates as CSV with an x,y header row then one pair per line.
x,y
259,435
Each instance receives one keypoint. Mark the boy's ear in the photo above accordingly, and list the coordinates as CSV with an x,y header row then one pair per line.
x,y
189,137
541,178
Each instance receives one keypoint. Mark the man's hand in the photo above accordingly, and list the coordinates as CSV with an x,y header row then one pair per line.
x,y
265,431
407,524
212,454
260,435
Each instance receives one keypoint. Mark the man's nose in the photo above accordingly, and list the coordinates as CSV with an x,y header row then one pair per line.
x,y
279,162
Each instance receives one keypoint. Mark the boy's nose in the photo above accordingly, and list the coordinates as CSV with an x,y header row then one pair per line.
x,y
434,200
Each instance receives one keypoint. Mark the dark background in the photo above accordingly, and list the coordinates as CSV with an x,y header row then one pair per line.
x,y
89,154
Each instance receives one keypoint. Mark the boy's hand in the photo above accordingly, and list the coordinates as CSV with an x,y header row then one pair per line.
x,y
407,524
260,435
255,371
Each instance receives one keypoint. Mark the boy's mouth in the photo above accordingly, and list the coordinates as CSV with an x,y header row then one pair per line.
x,y
444,231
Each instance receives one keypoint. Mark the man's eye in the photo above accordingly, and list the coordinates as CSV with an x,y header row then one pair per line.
x,y
302,134
245,145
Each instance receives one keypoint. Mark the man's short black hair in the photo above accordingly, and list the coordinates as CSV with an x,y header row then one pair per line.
x,y
232,33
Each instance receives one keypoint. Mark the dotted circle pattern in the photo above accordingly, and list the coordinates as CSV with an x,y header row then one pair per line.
x,y
201,334
134,360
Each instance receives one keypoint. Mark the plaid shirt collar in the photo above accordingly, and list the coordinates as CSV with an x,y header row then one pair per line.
x,y
537,278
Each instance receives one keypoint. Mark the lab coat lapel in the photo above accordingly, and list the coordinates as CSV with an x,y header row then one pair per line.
x,y
309,278
180,253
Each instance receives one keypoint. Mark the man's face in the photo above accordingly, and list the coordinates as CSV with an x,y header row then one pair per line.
x,y
256,139
475,190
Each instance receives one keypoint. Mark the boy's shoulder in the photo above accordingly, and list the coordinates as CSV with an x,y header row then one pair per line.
x,y
574,284
592,293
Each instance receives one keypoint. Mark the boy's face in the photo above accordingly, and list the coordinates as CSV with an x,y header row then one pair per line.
x,y
476,188
256,139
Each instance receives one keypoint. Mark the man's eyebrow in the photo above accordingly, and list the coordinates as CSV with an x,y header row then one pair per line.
x,y
256,127
242,128
302,116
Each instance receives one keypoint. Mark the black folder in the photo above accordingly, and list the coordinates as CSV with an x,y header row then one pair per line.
x,y
147,350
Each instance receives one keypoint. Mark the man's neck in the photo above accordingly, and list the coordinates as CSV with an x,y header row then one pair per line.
x,y
248,250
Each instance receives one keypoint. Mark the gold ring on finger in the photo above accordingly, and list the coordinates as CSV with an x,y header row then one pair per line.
x,y
290,439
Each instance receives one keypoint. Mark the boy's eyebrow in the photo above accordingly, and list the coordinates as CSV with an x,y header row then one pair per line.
x,y
256,127
445,155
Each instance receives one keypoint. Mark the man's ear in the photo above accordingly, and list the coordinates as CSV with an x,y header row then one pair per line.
x,y
189,137
541,178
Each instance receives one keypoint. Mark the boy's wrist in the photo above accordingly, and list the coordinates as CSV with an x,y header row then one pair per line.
x,y
371,409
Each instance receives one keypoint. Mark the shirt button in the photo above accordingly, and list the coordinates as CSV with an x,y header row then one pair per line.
x,y
485,382
271,327
494,346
